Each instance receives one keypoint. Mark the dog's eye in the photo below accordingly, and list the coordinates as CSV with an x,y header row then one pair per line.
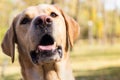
x,y
25,20
53,14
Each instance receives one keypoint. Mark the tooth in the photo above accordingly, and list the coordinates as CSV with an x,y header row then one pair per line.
x,y
37,51
54,43
59,51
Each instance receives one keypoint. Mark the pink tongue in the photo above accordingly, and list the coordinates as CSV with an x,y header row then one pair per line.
x,y
48,47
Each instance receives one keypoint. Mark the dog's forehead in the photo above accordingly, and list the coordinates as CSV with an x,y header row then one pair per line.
x,y
46,7
30,11
40,9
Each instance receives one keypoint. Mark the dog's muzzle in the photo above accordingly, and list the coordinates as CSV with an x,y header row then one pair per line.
x,y
46,51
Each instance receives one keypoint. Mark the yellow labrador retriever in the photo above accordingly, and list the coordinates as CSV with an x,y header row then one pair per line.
x,y
43,35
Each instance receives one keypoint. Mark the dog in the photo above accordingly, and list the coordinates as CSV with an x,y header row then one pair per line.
x,y
43,34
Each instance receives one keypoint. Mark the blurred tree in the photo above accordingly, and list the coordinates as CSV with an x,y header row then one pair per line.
x,y
5,11
99,21
90,22
54,1
33,2
117,22
77,10
94,19
105,23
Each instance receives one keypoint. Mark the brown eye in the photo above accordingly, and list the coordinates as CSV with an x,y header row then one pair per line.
x,y
53,14
25,20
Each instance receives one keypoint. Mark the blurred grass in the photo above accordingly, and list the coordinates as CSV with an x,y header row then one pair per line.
x,y
96,62
89,62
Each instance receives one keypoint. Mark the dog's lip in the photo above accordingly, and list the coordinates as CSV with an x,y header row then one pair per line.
x,y
47,47
44,53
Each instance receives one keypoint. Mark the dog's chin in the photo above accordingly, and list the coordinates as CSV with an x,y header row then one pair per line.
x,y
46,54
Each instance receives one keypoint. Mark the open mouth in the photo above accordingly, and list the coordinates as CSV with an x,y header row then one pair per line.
x,y
46,51
46,43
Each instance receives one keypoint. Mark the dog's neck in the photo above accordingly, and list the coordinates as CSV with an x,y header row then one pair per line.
x,y
53,71
50,72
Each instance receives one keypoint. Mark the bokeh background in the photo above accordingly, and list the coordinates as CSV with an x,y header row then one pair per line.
x,y
96,54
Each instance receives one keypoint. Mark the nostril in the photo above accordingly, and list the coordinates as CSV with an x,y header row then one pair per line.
x,y
43,21
38,22
48,21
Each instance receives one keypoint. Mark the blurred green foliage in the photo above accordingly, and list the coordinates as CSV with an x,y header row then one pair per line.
x,y
89,62
105,23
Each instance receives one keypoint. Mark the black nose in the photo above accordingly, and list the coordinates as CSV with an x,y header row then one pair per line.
x,y
43,21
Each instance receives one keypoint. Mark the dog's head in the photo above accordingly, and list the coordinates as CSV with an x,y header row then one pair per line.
x,y
43,33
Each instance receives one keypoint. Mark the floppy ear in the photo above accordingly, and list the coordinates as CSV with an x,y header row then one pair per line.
x,y
72,27
8,43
